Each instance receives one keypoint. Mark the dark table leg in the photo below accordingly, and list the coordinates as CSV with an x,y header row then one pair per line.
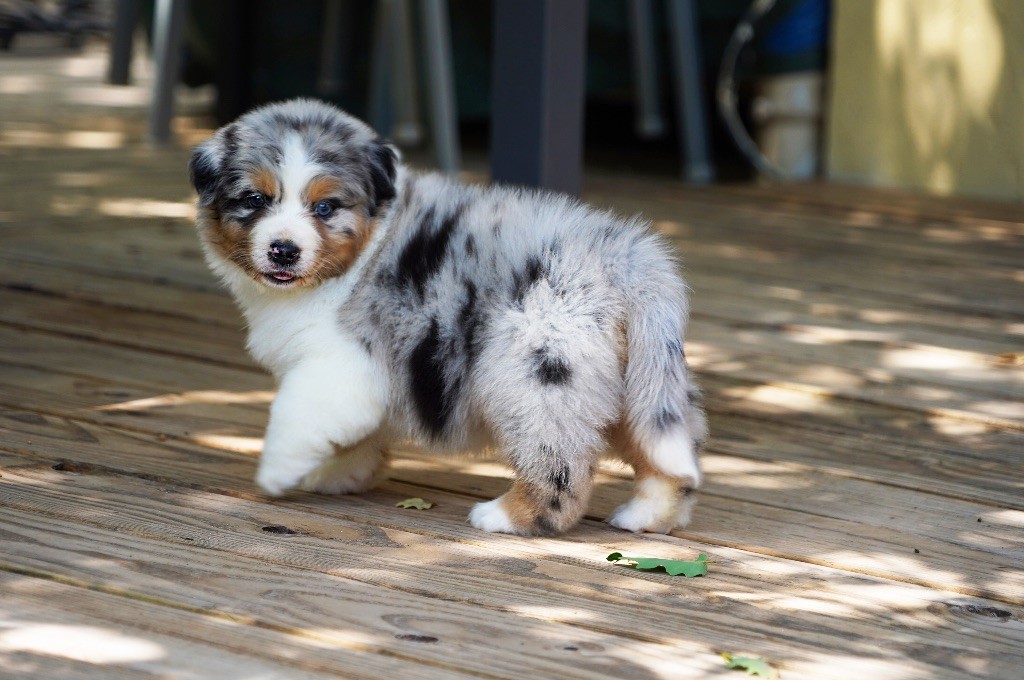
x,y
537,122
232,73
126,18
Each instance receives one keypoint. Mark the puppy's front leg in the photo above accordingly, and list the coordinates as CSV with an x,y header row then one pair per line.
x,y
320,404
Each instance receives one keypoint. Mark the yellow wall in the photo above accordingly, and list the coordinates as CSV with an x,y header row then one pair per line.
x,y
928,94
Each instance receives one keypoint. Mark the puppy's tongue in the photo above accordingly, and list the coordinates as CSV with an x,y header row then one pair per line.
x,y
283,276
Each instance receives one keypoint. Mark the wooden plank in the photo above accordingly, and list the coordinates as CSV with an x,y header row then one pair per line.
x,y
186,338
972,466
488,642
724,297
178,398
928,379
587,585
126,328
828,511
50,629
212,307
807,516
858,206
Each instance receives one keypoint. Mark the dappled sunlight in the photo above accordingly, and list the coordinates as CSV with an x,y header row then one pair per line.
x,y
229,442
833,376
195,397
946,70
555,613
921,357
887,563
19,84
832,335
954,427
140,207
88,644
784,399
15,135
752,474
79,180
99,95
1010,409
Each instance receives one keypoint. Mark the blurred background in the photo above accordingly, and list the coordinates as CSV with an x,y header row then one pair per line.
x,y
918,94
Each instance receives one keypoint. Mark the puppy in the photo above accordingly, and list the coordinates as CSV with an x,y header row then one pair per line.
x,y
396,307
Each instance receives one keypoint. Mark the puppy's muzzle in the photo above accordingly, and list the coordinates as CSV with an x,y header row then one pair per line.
x,y
283,253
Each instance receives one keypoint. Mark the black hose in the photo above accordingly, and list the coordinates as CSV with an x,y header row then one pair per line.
x,y
726,90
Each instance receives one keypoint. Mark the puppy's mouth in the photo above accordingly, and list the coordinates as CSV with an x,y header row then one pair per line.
x,y
281,278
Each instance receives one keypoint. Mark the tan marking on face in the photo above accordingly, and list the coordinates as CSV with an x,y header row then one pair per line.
x,y
321,188
228,239
264,181
340,247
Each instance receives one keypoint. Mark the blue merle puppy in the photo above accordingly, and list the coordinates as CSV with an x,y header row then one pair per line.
x,y
395,307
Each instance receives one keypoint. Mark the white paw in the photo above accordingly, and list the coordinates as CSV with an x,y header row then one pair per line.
x,y
657,507
276,481
642,514
491,516
346,473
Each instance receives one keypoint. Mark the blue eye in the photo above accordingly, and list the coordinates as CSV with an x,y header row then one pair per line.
x,y
324,209
256,200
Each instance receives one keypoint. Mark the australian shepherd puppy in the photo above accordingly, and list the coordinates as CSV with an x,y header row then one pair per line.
x,y
396,307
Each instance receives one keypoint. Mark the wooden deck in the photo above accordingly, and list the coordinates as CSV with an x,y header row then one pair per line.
x,y
864,504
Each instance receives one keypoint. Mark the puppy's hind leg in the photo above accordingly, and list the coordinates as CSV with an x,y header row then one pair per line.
x,y
660,502
549,389
549,495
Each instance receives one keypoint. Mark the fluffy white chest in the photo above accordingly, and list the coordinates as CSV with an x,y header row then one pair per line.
x,y
288,330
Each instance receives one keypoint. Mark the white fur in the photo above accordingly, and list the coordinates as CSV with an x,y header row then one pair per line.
x,y
675,454
289,219
657,507
491,516
351,471
332,393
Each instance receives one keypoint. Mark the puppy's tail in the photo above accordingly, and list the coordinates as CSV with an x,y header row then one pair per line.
x,y
663,413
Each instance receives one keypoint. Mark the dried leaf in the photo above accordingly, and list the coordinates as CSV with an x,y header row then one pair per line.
x,y
415,503
697,567
754,665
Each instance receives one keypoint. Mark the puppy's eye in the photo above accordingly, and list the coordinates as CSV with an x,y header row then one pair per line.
x,y
324,209
256,200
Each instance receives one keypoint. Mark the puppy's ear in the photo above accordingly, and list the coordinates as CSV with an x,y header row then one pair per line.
x,y
382,159
205,167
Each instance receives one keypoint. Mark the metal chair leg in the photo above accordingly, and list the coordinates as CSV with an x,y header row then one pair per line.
x,y
126,17
650,121
690,104
168,25
440,83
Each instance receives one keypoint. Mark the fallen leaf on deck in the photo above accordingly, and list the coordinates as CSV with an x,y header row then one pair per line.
x,y
415,503
755,665
697,567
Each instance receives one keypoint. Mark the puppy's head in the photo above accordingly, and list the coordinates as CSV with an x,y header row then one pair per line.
x,y
288,193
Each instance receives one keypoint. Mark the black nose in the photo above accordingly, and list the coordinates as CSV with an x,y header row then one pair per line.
x,y
283,253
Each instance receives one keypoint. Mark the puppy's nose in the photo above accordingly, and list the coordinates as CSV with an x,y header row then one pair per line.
x,y
283,253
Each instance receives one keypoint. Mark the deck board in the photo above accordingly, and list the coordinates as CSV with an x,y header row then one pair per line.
x,y
864,504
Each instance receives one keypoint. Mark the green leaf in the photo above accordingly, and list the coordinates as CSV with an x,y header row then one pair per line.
x,y
415,503
697,567
754,665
